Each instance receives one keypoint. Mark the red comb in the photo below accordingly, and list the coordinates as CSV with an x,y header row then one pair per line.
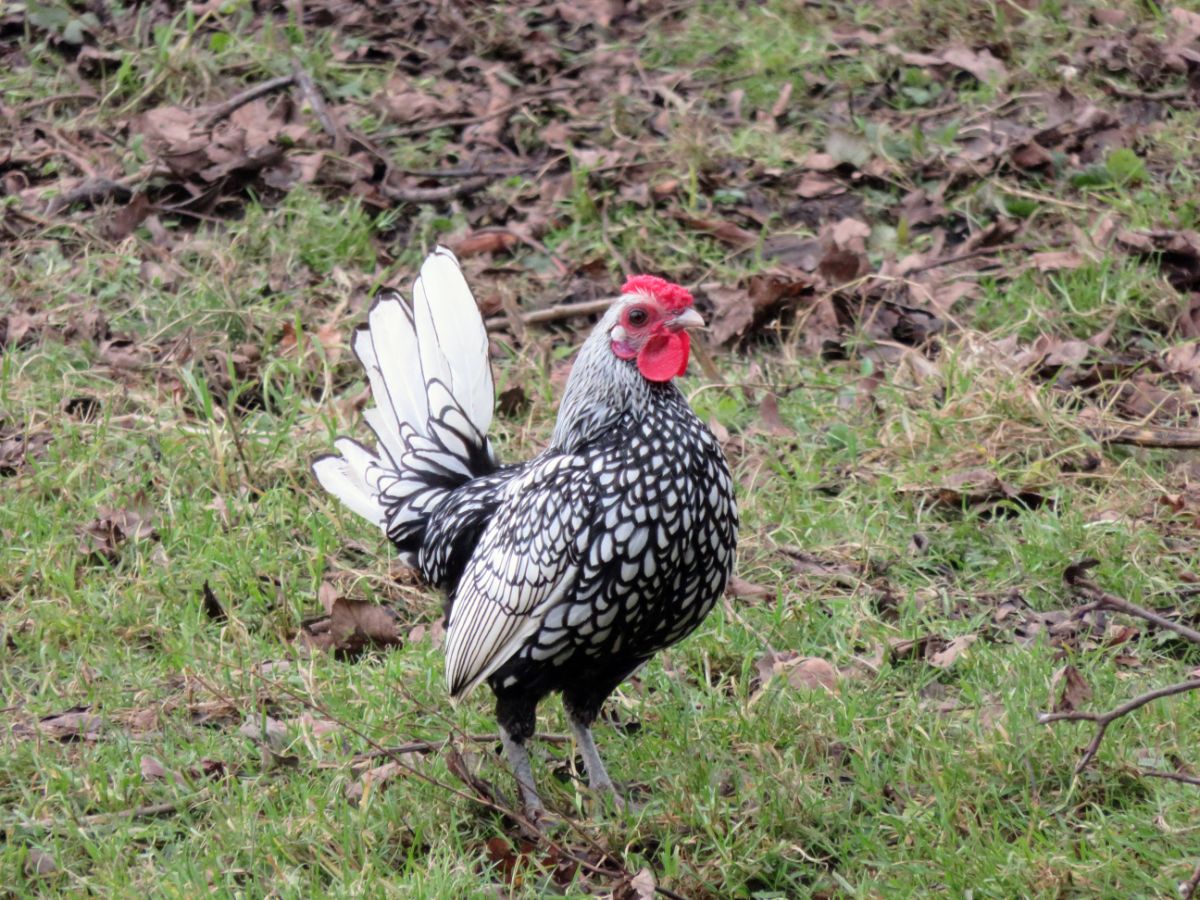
x,y
672,296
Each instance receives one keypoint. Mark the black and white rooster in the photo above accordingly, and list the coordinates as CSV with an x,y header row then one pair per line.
x,y
566,572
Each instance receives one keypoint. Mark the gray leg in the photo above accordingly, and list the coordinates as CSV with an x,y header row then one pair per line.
x,y
597,774
518,758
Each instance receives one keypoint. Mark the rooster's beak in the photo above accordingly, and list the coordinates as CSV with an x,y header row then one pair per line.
x,y
689,318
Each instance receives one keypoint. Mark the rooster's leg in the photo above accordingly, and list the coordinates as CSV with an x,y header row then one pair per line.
x,y
597,774
518,758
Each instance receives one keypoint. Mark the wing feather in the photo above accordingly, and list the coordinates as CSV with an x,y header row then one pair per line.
x,y
525,563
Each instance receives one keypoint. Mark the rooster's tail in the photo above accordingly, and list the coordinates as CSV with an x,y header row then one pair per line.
x,y
432,386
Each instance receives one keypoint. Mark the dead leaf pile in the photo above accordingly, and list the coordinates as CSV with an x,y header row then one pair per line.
x,y
350,627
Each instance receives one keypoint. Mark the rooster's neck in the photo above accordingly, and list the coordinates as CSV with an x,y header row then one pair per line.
x,y
602,389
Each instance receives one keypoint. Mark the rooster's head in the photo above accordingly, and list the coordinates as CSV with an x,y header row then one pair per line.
x,y
652,324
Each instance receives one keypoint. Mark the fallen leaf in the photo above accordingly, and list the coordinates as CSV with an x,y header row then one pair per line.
x,y
102,538
726,232
476,243
801,672
768,411
512,401
946,657
1069,689
812,673
18,447
980,63
637,887
745,590
971,486
1057,260
153,770
1178,252
374,780
912,648
350,626
211,605
265,730
39,863
76,724
815,184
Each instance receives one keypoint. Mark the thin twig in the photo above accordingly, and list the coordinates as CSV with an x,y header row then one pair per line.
x,y
438,746
468,171
554,313
434,125
313,95
1189,888
1103,720
1136,436
526,824
231,421
226,107
91,192
1120,604
148,811
436,194
961,257
1170,776
1131,94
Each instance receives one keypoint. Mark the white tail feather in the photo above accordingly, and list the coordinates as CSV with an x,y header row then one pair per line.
x,y
451,337
338,477
432,385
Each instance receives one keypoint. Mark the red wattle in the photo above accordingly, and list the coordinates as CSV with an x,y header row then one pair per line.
x,y
665,356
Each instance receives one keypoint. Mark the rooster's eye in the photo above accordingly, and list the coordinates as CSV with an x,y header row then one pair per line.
x,y
638,317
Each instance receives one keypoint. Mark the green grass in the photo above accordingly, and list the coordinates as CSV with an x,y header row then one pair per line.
x,y
909,780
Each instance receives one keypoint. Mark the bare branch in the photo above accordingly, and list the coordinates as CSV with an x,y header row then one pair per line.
x,y
317,103
1171,776
1191,887
1119,604
554,313
1103,720
148,811
90,192
1137,436
226,107
438,746
436,194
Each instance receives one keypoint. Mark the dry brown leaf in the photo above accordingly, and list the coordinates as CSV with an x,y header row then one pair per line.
x,y
1069,689
350,626
980,63
640,886
814,184
976,485
912,648
1057,260
266,730
77,724
1178,252
726,232
102,538
18,448
768,411
801,672
373,780
153,770
946,657
476,243
39,862
742,589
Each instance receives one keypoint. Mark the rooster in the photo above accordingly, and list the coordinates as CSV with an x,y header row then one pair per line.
x,y
567,572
